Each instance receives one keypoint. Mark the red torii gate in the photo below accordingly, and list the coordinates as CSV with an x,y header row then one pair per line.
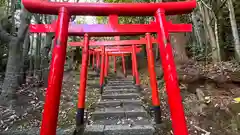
x,y
111,51
115,42
64,10
123,64
122,50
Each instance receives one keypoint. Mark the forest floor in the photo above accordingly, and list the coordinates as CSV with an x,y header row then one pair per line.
x,y
210,109
28,111
209,106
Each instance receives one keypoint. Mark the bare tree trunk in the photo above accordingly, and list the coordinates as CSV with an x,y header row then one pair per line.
x,y
217,38
211,36
25,59
45,59
71,61
179,41
25,50
197,31
31,63
234,29
13,2
11,83
37,59
222,35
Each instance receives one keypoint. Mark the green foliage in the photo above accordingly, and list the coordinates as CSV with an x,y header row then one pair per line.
x,y
18,4
2,9
2,3
118,1
125,20
101,19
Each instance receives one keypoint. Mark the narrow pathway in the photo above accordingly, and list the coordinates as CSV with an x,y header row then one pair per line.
x,y
119,111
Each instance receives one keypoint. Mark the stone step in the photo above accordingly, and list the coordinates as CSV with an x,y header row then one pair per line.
x,y
120,108
110,100
120,91
119,130
128,130
120,81
123,121
124,86
120,85
120,112
115,103
102,115
94,130
121,96
121,88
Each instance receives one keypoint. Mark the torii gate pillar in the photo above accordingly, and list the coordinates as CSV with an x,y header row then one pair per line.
x,y
51,107
170,76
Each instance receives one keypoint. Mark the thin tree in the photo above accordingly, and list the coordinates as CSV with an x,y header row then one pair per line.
x,y
234,29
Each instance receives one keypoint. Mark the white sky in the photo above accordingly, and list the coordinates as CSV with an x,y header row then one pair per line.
x,y
87,19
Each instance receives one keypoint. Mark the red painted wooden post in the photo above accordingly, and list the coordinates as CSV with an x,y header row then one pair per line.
x,y
170,75
135,66
153,80
133,70
98,60
124,66
51,107
89,59
83,83
106,65
93,60
115,64
102,69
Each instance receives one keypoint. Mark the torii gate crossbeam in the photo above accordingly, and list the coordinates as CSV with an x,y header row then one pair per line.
x,y
142,41
110,30
105,9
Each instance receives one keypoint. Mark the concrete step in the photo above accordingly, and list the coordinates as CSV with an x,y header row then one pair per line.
x,y
120,112
120,81
124,86
120,108
123,121
128,130
110,100
119,88
119,130
102,115
94,130
115,103
121,96
120,91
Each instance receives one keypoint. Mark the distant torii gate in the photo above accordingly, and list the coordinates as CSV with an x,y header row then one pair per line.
x,y
113,43
120,51
65,10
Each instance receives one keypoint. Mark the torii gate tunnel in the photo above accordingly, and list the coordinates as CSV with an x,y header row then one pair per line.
x,y
116,51
64,10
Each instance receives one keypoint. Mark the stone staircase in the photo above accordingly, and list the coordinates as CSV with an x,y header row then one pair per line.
x,y
119,111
